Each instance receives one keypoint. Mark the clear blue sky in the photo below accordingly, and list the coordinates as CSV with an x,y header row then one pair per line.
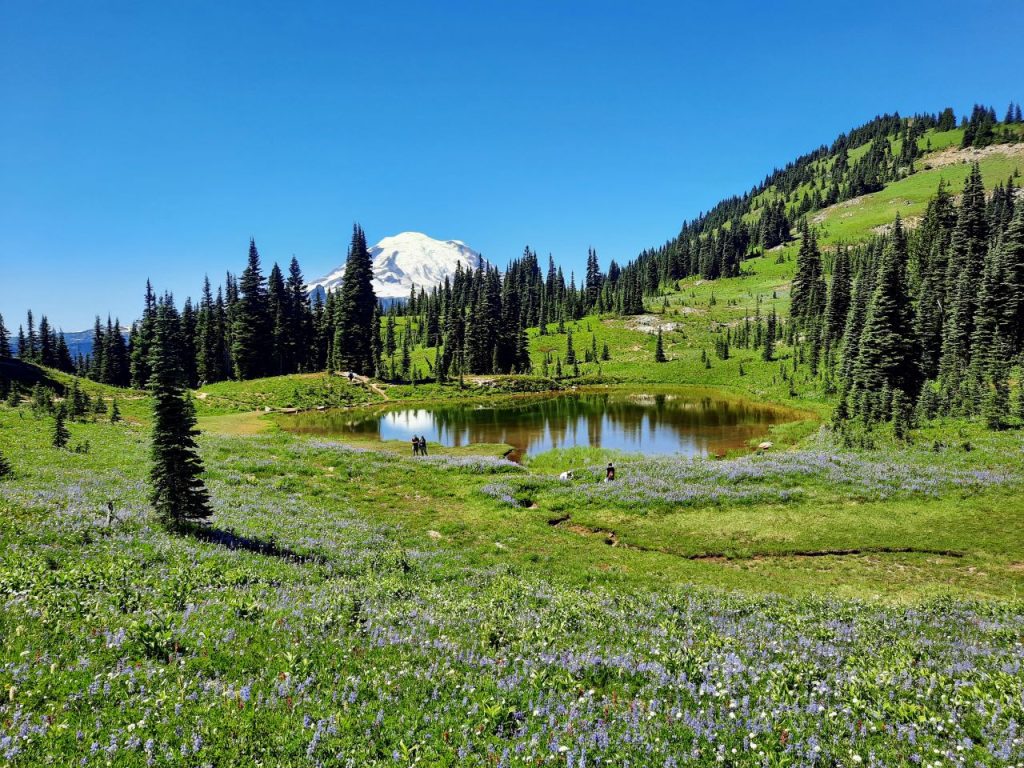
x,y
146,139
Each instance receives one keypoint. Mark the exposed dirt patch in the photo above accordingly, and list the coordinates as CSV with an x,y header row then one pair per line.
x,y
955,155
650,324
911,222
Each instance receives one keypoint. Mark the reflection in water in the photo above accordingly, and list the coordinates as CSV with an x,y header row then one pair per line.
x,y
654,424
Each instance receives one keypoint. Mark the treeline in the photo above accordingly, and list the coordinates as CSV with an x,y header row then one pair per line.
x,y
43,346
252,326
477,321
920,323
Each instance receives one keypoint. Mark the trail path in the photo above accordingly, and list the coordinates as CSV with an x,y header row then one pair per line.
x,y
371,385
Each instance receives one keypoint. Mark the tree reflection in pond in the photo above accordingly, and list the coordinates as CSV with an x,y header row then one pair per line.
x,y
647,423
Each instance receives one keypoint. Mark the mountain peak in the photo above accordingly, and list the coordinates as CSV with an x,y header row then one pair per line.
x,y
407,259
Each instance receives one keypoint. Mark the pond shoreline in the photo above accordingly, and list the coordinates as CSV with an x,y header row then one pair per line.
x,y
656,419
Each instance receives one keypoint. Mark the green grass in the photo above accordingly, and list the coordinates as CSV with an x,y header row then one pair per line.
x,y
854,220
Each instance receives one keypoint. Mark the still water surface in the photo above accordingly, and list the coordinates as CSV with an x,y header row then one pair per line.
x,y
691,425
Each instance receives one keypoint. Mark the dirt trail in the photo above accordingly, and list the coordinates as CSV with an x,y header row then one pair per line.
x,y
367,382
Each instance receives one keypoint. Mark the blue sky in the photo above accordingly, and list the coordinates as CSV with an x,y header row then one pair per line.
x,y
151,140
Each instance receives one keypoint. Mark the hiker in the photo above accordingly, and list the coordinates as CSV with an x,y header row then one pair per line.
x,y
567,475
415,446
423,445
609,474
350,377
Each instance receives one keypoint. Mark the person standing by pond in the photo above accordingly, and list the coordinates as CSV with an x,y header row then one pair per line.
x,y
609,474
415,446
423,445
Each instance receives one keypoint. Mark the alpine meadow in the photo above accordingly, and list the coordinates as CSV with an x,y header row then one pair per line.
x,y
751,494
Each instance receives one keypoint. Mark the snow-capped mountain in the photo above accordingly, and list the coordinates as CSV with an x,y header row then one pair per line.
x,y
407,259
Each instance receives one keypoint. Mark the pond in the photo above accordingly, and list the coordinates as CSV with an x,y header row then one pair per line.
x,y
695,424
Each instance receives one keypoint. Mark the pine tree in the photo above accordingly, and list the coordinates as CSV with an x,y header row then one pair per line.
x,y
967,260
887,356
807,296
353,339
570,352
995,408
1011,254
931,258
838,305
142,340
178,494
768,343
31,349
5,340
99,346
208,355
659,349
251,342
278,311
299,337
115,411
6,470
60,429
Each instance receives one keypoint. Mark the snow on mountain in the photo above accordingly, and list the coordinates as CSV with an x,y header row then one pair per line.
x,y
407,259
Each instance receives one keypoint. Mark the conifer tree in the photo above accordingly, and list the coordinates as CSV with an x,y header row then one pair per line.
x,y
659,349
142,340
31,348
208,354
278,312
995,408
353,336
6,470
966,262
837,306
115,411
5,340
99,347
768,342
1011,254
251,324
60,429
807,296
299,336
177,491
931,252
887,358
570,352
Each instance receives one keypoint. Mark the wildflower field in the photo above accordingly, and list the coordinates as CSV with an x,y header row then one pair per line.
x,y
355,607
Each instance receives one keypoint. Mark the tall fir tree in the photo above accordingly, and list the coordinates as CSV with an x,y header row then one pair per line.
x,y
353,317
5,339
177,491
299,337
250,347
60,428
1011,254
659,349
967,260
887,358
141,340
209,357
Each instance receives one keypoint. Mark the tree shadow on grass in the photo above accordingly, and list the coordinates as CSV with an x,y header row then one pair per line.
x,y
231,540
